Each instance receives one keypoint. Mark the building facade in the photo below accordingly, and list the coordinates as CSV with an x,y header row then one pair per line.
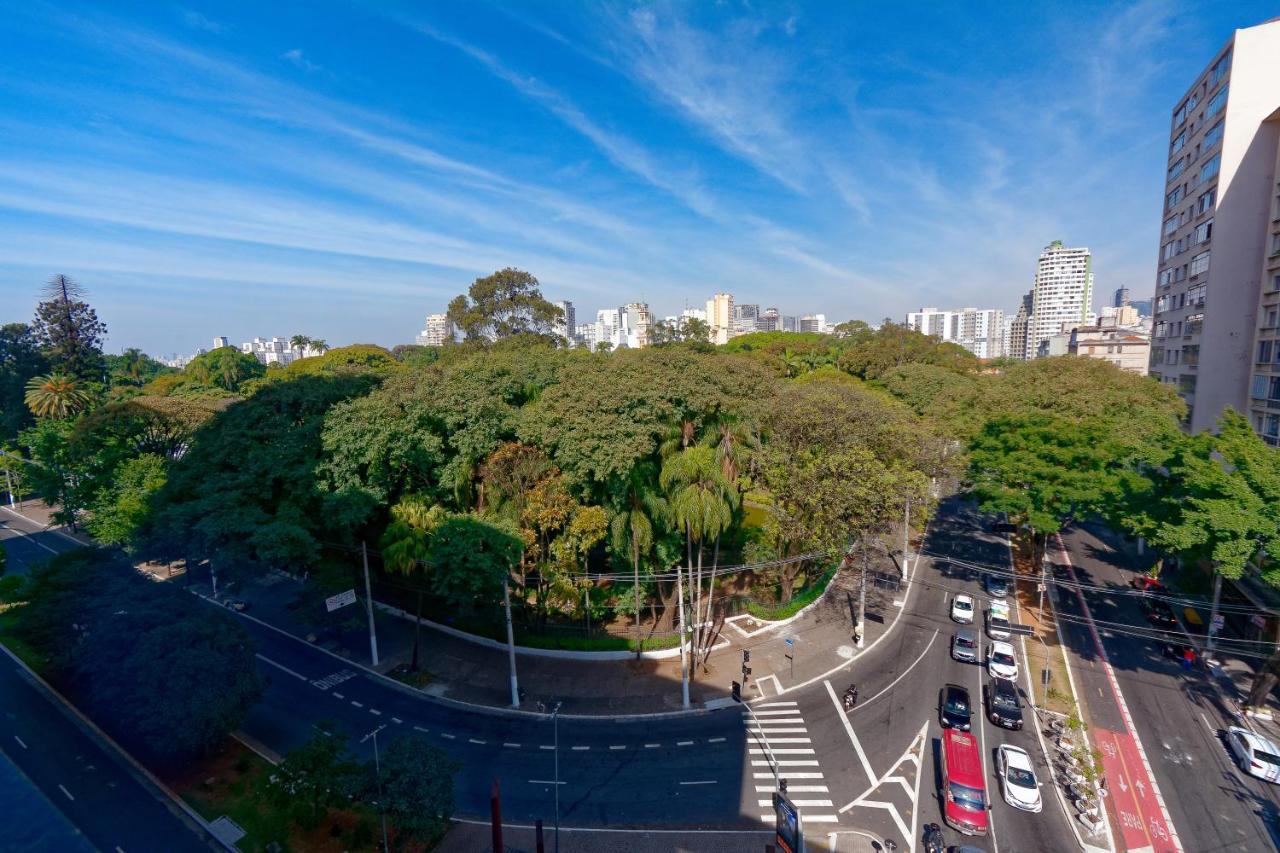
x,y
1218,241
720,317
745,319
979,330
1020,328
437,331
1122,347
1062,294
567,326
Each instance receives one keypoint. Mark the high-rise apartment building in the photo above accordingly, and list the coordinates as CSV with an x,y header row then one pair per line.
x,y
1020,328
720,317
812,323
745,319
1062,294
979,330
769,320
438,331
1218,277
1121,298
567,326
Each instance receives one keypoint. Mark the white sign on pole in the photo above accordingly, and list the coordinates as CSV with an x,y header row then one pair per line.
x,y
1218,622
342,599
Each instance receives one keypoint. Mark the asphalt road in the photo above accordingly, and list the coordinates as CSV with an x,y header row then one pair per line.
x,y
899,688
1175,712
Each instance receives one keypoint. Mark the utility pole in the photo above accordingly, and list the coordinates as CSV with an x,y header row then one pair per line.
x,y
1044,557
906,538
684,662
1213,616
377,769
555,725
8,481
368,601
511,642
859,629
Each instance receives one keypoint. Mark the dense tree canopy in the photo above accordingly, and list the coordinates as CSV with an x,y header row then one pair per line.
x,y
20,360
503,305
69,332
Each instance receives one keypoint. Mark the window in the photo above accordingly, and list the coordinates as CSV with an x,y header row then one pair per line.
x,y
1275,283
1205,202
1195,295
1162,304
1180,115
1219,69
1271,322
1273,388
1193,100
1275,244
1273,425
1212,135
1174,197
1216,103
1161,329
1209,169
1259,391
1178,141
1200,263
1171,224
1166,278
1166,251
1203,232
1264,352
1176,169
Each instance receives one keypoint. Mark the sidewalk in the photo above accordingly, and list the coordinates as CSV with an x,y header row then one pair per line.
x,y
465,671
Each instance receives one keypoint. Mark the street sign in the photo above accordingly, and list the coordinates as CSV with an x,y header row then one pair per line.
x,y
342,599
791,641
788,833
1218,622
1024,630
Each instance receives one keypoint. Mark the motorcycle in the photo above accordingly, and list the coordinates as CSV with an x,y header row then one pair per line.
x,y
850,697
933,842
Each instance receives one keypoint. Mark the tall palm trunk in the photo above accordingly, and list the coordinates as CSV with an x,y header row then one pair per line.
x,y
635,565
417,632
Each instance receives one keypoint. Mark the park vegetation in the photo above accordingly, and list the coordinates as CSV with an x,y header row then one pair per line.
x,y
599,487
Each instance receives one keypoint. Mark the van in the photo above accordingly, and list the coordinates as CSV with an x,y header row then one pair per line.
x,y
964,791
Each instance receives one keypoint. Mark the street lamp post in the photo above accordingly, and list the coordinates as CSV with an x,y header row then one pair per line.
x,y
555,726
377,769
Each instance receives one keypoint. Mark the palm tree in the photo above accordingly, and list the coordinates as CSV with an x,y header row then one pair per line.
x,y
319,345
299,342
231,372
632,527
792,364
701,502
404,548
55,395
132,362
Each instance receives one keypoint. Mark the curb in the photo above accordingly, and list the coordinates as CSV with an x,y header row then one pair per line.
x,y
455,703
141,773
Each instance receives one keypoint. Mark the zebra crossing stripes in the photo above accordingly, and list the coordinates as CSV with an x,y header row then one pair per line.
x,y
777,735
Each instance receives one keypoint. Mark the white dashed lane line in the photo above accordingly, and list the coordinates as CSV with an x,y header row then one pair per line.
x,y
65,791
473,740
715,740
375,712
20,742
547,746
337,695
684,743
447,735
544,782
700,782
617,747
581,748
652,745
421,729
396,720
357,704
512,745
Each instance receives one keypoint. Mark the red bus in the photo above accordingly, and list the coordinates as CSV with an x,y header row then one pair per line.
x,y
964,790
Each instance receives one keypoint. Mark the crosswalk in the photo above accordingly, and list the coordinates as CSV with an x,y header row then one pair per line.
x,y
776,733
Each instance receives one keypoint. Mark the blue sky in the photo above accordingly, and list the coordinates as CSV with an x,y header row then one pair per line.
x,y
341,170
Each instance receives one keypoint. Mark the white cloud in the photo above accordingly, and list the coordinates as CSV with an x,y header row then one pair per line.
x,y
296,58
197,21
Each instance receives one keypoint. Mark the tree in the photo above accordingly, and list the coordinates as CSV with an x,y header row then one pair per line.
x,y
69,331
416,783
639,505
20,359
225,367
405,549
299,342
56,395
893,345
503,305
319,345
119,509
319,775
471,558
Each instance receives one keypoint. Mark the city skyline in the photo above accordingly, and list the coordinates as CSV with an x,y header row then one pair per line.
x,y
341,196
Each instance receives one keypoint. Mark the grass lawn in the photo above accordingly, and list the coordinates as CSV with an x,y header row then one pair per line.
x,y
234,783
9,615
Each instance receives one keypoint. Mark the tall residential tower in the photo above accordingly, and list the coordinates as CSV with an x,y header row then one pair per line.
x,y
1062,296
1218,277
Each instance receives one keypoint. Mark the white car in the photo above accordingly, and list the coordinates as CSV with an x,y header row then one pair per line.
x,y
1001,662
1256,755
998,620
962,609
1018,779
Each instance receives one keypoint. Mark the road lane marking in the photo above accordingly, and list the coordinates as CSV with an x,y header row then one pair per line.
x,y
449,736
547,746
789,751
795,730
652,745
617,747
778,712
337,695
474,740
700,782
65,791
684,743
787,762
357,704
715,740
512,745
764,804
266,659
789,775
545,782
581,748
421,729
396,720
794,789
774,740
20,742
778,704
1211,729
375,712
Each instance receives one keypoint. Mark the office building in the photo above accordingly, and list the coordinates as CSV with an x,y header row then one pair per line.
x,y
979,330
1121,297
813,323
1019,329
438,331
566,327
769,320
1062,294
1216,282
720,317
745,319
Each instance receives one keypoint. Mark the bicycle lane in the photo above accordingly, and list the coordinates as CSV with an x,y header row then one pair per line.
x,y
1133,796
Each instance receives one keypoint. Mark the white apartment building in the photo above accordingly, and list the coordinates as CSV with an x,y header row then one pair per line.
x,y
567,325
812,323
275,350
720,317
438,331
1062,293
629,326
979,330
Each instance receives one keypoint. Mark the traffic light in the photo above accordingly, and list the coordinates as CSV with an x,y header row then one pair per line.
x,y
737,692
746,656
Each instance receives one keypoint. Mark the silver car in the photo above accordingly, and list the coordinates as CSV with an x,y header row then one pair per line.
x,y
964,645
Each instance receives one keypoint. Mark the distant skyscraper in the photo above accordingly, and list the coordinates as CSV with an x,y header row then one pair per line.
x,y
790,323
979,330
768,321
220,342
720,317
1121,298
567,326
1019,329
438,331
745,318
812,323
1062,295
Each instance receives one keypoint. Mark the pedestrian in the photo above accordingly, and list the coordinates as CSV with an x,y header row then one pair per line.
x,y
1188,657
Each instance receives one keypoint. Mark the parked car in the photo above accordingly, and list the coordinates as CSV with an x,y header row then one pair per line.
x,y
954,708
1004,707
1256,755
997,587
964,645
962,609
1001,662
998,621
1018,779
237,604
1160,614
1146,583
